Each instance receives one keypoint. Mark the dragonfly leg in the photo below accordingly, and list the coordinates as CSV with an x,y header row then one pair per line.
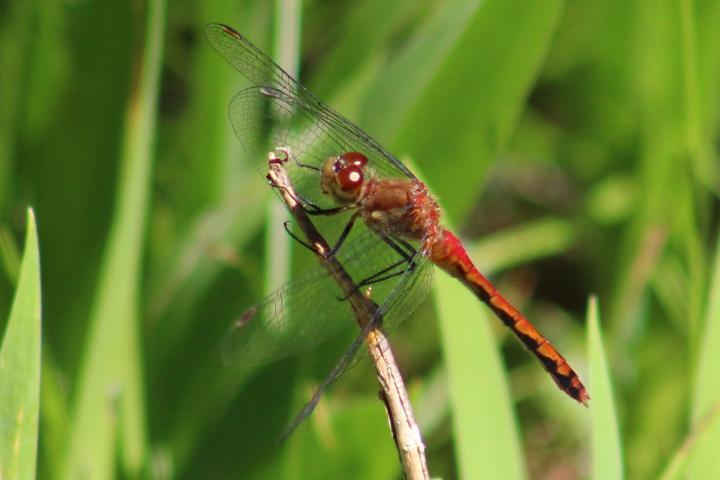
x,y
314,209
296,238
380,276
343,236
398,244
408,257
283,155
338,244
289,156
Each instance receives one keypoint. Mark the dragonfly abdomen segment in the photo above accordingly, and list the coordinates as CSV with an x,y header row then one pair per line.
x,y
448,253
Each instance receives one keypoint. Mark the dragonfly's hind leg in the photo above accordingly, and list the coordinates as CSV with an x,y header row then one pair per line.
x,y
405,250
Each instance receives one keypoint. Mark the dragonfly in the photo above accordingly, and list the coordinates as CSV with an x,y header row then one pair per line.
x,y
385,223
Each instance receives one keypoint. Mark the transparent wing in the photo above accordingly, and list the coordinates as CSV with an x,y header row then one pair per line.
x,y
309,310
278,85
278,112
400,303
265,119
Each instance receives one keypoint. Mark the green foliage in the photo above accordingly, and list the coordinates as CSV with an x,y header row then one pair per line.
x,y
108,415
482,417
20,368
572,143
706,395
606,448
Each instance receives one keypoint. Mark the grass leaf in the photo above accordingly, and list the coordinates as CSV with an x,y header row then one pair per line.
x,y
483,421
445,127
109,405
606,446
20,368
704,458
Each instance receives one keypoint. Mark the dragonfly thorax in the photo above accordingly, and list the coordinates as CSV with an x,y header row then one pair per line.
x,y
343,177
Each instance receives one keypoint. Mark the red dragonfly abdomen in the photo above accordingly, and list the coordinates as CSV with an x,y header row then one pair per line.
x,y
449,254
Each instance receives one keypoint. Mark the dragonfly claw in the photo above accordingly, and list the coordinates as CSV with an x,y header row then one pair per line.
x,y
274,158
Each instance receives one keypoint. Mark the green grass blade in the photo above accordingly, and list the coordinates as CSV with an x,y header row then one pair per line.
x,y
108,406
703,462
485,432
468,340
449,124
345,441
678,461
287,54
420,61
606,446
20,368
523,243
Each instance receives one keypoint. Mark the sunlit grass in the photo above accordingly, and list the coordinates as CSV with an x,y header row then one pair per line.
x,y
20,367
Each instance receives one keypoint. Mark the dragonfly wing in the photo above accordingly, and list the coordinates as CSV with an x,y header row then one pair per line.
x,y
408,296
263,72
400,303
265,118
273,329
263,122
309,310
249,60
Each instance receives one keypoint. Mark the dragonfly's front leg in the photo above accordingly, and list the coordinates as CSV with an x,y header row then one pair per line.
x,y
283,155
309,206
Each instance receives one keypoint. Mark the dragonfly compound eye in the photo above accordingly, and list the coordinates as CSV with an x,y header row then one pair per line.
x,y
350,177
355,158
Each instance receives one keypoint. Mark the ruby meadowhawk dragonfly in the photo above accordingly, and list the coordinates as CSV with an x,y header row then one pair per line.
x,y
384,223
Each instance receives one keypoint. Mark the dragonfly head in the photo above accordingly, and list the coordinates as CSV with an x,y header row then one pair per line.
x,y
343,176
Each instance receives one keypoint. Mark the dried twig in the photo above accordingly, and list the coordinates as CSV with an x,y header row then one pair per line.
x,y
406,433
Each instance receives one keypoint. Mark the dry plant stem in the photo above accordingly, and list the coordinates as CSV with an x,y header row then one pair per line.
x,y
406,433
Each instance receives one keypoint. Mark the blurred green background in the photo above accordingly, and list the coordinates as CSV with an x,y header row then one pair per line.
x,y
573,144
